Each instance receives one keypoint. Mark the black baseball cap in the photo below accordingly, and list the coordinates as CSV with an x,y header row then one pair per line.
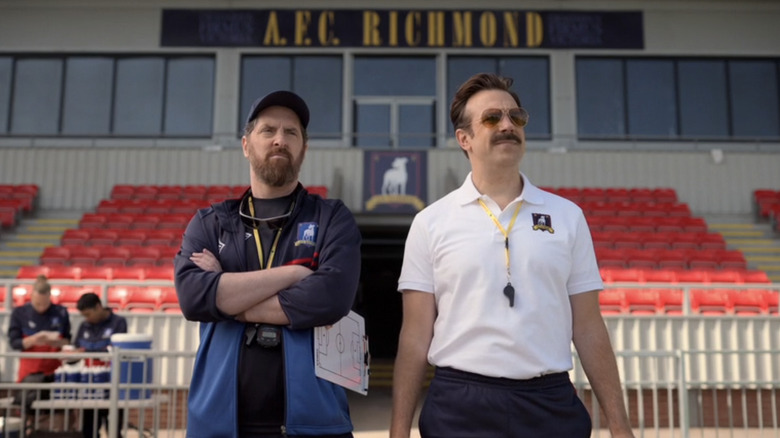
x,y
287,99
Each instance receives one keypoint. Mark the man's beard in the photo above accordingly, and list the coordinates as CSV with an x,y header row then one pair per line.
x,y
277,172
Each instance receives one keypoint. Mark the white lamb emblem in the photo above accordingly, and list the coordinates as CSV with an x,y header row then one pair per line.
x,y
308,233
394,181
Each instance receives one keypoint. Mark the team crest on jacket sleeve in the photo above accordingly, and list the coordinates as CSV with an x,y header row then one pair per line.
x,y
307,234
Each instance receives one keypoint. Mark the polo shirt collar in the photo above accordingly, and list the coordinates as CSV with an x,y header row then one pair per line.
x,y
468,193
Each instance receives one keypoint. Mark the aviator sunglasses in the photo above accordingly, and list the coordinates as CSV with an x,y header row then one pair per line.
x,y
492,117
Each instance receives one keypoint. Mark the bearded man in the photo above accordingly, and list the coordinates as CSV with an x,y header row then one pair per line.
x,y
259,273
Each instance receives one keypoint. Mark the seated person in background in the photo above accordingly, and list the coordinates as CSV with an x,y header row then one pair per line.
x,y
39,326
94,334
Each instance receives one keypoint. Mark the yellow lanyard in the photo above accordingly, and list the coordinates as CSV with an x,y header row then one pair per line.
x,y
503,231
259,244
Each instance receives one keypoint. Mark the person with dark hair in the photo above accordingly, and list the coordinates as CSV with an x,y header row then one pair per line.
x,y
94,335
39,326
495,298
260,273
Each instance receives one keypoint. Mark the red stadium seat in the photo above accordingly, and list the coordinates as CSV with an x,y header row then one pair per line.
x,y
772,301
725,276
145,192
113,256
169,301
641,258
692,276
159,273
68,296
93,220
749,302
146,221
84,255
57,272
620,275
128,273
103,237
731,259
664,194
75,236
616,194
682,240
169,192
97,273
710,301
122,191
671,301
21,294
672,258
655,240
165,237
31,272
755,276
133,206
145,298
109,206
711,241
194,192
660,275
612,301
119,296
643,302
55,255
628,239
131,238
703,260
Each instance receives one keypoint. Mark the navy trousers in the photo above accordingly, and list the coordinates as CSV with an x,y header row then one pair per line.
x,y
466,405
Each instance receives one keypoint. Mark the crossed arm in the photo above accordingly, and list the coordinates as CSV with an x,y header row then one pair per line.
x,y
252,296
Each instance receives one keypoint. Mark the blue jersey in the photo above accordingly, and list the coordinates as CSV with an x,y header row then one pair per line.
x,y
97,337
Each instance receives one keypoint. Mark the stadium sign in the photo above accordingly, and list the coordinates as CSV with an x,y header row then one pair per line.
x,y
408,29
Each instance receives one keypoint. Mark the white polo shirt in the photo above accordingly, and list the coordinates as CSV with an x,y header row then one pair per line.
x,y
455,251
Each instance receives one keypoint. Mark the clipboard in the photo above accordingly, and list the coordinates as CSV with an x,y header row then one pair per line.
x,y
341,353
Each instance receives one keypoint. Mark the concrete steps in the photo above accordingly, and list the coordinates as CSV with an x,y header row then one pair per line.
x,y
757,241
24,244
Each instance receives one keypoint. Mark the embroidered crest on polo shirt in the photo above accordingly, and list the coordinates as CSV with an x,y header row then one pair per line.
x,y
542,222
307,234
221,245
247,236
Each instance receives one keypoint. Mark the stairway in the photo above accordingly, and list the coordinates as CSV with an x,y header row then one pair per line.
x,y
757,241
23,244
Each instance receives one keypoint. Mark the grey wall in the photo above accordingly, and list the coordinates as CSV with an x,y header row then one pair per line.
x,y
77,178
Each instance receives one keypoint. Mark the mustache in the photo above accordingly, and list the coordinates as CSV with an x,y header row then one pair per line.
x,y
501,136
279,151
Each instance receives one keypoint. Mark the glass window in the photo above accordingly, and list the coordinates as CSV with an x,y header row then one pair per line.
x,y
532,84
703,102
754,97
318,80
138,106
651,100
6,66
395,76
372,125
261,75
37,93
189,97
417,126
459,70
601,110
88,94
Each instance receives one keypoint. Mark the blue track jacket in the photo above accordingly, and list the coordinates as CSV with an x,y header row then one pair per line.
x,y
321,235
